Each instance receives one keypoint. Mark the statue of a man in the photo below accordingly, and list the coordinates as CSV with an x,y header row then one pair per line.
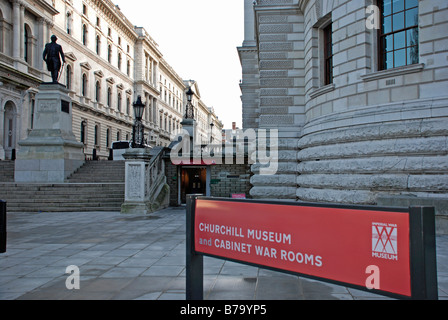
x,y
52,56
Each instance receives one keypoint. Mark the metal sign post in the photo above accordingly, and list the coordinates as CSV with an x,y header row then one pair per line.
x,y
2,227
194,261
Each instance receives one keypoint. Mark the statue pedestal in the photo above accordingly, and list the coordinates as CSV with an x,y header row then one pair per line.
x,y
51,152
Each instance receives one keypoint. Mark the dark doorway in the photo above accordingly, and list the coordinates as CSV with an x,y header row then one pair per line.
x,y
193,182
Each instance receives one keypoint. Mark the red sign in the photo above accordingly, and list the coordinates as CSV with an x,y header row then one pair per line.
x,y
339,244
238,196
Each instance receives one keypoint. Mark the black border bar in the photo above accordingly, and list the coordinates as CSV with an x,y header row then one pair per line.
x,y
2,226
423,265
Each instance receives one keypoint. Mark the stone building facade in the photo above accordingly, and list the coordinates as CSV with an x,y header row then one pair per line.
x,y
358,92
109,62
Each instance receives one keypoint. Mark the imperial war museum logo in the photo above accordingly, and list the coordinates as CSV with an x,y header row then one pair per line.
x,y
384,240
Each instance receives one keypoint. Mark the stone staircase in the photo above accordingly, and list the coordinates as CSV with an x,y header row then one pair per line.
x,y
6,171
99,172
96,186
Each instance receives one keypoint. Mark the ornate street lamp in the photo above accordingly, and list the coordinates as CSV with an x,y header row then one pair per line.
x,y
211,131
138,132
189,109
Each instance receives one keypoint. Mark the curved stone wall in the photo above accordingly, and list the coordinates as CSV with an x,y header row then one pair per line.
x,y
356,156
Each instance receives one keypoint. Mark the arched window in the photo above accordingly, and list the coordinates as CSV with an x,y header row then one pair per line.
x,y
128,68
97,91
84,85
119,102
96,137
68,77
107,138
128,106
109,53
109,96
84,132
27,52
84,34
119,60
98,44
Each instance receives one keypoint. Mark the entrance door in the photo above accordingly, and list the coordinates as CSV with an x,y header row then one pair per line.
x,y
9,126
193,182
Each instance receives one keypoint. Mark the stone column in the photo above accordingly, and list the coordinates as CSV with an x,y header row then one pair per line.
x,y
40,44
16,29
249,23
18,36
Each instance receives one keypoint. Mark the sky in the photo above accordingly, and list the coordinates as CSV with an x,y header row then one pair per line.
x,y
198,38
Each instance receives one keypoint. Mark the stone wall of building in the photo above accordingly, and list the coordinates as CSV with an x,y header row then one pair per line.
x,y
109,62
227,179
369,134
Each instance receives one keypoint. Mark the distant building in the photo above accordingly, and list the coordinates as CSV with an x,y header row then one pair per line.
x,y
109,62
358,94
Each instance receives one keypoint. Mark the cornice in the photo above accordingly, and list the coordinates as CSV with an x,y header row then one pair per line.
x,y
114,14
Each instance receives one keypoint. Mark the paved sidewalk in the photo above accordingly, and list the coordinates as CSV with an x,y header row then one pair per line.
x,y
131,257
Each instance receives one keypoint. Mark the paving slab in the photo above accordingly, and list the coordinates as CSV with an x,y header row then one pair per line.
x,y
129,257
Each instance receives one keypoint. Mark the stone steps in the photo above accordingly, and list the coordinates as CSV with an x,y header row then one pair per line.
x,y
63,197
99,171
96,186
6,171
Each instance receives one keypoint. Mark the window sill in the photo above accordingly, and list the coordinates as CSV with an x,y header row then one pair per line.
x,y
393,72
322,90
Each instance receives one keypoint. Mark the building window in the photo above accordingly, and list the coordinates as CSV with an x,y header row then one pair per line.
x,y
68,77
128,105
108,138
98,44
119,102
27,44
97,91
128,68
96,137
83,132
398,35
84,85
328,54
109,53
109,96
84,34
84,9
119,60
69,23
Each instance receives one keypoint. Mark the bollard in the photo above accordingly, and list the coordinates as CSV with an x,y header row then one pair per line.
x,y
2,227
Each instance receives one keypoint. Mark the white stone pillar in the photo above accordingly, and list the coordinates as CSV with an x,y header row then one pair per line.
x,y
249,23
16,29
40,44
22,31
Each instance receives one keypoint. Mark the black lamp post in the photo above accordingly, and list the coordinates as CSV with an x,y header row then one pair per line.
x,y
211,131
189,109
138,132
